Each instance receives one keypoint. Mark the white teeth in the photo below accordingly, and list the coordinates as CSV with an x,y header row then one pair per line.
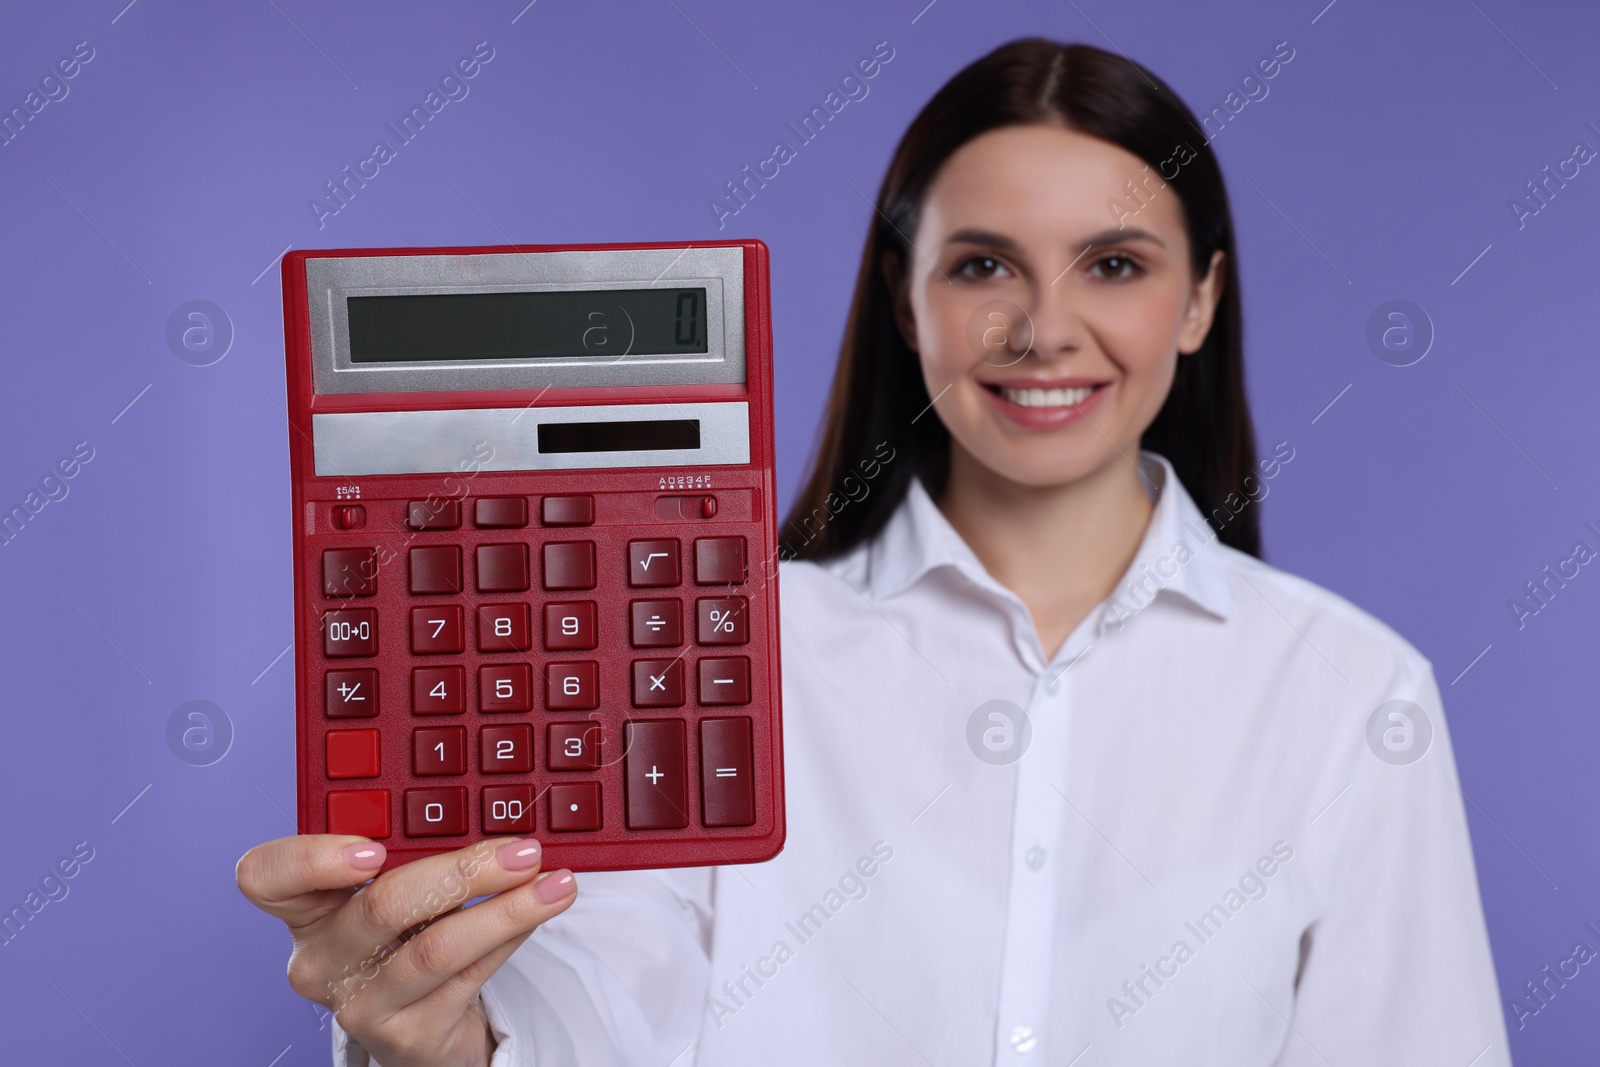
x,y
1046,398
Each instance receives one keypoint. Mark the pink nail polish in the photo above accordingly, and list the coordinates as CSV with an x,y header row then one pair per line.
x,y
365,855
555,886
518,855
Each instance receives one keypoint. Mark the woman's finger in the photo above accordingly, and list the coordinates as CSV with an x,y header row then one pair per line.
x,y
302,879
447,954
349,945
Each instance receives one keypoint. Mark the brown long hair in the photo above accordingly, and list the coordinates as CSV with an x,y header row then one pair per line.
x,y
878,404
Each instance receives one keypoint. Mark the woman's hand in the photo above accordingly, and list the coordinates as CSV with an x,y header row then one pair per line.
x,y
398,960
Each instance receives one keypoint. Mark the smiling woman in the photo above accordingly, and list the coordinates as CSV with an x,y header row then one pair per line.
x,y
1054,406
1017,128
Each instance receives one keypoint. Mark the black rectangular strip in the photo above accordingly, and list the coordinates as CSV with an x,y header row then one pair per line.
x,y
637,436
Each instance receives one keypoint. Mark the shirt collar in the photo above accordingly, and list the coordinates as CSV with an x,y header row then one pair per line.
x,y
1176,556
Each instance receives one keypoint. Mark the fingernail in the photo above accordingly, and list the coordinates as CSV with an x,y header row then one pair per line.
x,y
555,886
365,855
518,855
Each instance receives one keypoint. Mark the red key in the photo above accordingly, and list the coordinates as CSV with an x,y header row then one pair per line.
x,y
567,510
438,690
436,812
569,626
352,753
569,565
351,632
572,746
725,681
505,687
351,694
719,561
571,686
508,809
722,620
436,629
657,683
653,563
349,572
433,514
504,628
506,749
505,512
658,797
502,568
575,806
655,623
435,570
359,812
726,788
439,750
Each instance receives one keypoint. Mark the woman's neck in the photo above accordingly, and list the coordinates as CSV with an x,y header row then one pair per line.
x,y
1060,548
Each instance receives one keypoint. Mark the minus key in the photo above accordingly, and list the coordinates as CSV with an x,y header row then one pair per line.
x,y
725,680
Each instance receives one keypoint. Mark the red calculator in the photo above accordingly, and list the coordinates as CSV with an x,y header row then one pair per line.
x,y
535,544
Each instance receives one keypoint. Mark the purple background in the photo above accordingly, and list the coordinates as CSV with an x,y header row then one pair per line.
x,y
179,167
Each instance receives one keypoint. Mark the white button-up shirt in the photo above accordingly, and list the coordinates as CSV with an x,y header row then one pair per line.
x,y
1203,832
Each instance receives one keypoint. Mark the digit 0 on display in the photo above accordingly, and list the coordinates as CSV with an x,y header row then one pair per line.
x,y
535,538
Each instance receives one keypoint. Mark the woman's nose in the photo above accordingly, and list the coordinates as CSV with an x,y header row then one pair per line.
x,y
1000,332
1050,325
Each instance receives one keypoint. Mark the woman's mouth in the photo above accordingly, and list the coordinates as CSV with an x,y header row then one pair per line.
x,y
1045,406
1035,397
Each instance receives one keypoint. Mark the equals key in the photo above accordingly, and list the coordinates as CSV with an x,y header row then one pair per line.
x,y
727,793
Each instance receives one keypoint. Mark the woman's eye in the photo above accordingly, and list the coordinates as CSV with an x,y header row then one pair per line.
x,y
980,267
1115,267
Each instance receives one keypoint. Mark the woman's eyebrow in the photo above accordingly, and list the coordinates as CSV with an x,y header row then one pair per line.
x,y
1118,236
973,236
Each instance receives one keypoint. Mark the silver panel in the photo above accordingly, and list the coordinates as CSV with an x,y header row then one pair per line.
x,y
330,280
351,444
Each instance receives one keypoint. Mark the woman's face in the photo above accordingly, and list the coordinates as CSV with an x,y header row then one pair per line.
x,y
1048,334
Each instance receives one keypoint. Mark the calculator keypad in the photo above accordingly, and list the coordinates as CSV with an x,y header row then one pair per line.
x,y
572,715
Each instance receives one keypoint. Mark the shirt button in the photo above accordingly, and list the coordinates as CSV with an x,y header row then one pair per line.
x,y
1035,858
1023,1039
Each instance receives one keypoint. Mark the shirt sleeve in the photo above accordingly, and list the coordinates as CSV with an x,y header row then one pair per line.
x,y
1397,970
618,979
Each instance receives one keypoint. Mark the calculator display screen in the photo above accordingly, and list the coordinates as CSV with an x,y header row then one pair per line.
x,y
527,325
